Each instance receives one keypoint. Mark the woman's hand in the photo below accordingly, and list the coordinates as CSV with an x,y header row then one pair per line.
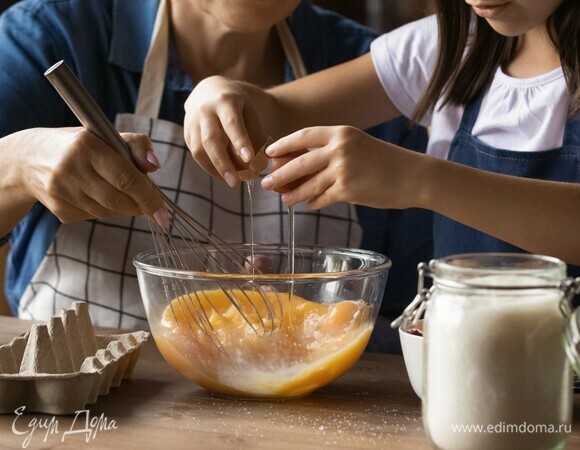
x,y
345,164
218,115
78,177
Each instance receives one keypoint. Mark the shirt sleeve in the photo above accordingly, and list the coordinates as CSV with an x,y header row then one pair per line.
x,y
404,60
30,45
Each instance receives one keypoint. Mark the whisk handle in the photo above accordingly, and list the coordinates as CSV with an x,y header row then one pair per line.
x,y
85,108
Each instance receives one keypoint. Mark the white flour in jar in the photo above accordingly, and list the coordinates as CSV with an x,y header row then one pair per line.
x,y
496,360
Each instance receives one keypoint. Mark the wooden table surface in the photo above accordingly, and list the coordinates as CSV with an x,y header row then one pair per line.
x,y
371,406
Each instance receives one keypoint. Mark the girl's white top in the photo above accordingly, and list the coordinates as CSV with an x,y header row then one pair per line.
x,y
521,114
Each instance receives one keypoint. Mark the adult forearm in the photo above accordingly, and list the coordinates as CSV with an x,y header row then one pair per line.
x,y
15,202
538,216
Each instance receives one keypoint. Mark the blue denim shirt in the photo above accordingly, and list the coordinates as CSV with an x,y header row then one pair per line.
x,y
105,43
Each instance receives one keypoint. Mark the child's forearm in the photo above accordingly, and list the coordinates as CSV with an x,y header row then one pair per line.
x,y
347,94
538,216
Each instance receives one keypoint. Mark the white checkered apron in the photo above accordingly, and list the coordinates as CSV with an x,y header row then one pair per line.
x,y
92,261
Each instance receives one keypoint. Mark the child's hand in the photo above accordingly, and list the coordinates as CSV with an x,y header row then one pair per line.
x,y
344,164
279,161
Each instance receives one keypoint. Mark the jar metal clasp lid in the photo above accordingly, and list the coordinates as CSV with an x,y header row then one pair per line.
x,y
413,312
569,287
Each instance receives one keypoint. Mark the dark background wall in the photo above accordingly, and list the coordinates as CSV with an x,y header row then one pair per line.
x,y
6,3
383,15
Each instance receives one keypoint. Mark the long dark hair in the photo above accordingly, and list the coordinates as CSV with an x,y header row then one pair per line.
x,y
457,79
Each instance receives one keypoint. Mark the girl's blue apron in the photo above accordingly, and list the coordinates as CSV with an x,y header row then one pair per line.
x,y
558,164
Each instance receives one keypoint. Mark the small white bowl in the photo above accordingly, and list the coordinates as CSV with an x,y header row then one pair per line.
x,y
412,346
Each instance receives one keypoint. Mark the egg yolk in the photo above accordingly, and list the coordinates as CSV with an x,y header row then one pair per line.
x,y
278,348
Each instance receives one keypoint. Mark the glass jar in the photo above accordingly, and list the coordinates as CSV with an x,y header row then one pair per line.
x,y
495,372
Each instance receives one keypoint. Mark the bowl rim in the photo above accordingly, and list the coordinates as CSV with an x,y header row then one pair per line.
x,y
384,264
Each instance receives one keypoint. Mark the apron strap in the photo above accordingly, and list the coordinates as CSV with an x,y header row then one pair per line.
x,y
291,50
155,67
471,111
572,131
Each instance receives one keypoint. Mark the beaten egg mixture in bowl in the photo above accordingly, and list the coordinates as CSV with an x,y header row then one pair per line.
x,y
271,334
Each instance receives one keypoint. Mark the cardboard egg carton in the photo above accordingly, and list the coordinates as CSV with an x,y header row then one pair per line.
x,y
62,366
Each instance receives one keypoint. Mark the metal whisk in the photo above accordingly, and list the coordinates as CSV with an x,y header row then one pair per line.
x,y
195,237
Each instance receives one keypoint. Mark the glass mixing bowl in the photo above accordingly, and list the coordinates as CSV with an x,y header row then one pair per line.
x,y
267,335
